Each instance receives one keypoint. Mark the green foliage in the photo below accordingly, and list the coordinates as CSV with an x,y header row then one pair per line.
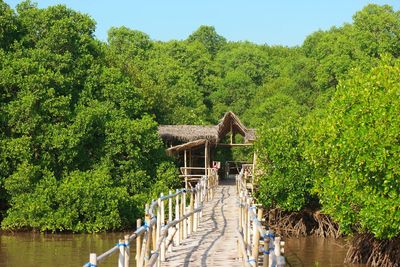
x,y
285,181
79,149
356,143
208,37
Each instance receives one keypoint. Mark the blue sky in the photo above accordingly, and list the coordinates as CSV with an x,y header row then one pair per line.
x,y
283,22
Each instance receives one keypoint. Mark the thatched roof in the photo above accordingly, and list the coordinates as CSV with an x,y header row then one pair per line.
x,y
185,146
190,133
224,127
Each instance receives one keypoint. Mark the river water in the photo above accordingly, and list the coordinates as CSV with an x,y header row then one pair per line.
x,y
316,252
48,250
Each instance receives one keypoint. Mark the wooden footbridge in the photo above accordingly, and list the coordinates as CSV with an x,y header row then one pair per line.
x,y
213,223
209,222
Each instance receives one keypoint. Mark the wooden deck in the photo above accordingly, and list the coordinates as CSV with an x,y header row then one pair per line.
x,y
215,242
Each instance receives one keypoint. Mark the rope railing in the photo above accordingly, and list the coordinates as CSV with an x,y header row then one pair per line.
x,y
251,231
157,236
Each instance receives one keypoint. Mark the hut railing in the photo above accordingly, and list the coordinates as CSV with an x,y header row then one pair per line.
x,y
157,235
257,245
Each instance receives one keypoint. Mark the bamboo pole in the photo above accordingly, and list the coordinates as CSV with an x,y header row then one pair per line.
x,y
240,210
121,257
248,221
191,218
127,250
170,216
205,157
163,225
93,259
265,251
256,237
271,258
138,242
178,226
185,169
184,222
195,216
146,248
245,223
154,233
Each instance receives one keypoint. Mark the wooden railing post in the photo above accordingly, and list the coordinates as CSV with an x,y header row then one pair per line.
x,y
170,217
178,226
256,237
93,259
147,242
191,219
265,251
138,242
245,223
127,250
162,225
249,201
240,211
184,222
195,216
271,258
121,257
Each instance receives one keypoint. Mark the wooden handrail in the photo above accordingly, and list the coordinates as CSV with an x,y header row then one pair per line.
x,y
153,237
252,230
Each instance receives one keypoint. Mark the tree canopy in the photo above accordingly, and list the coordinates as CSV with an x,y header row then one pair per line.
x,y
79,117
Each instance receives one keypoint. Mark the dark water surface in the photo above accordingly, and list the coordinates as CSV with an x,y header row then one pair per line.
x,y
48,250
315,251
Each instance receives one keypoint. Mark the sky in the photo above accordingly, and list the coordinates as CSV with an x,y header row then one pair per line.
x,y
279,22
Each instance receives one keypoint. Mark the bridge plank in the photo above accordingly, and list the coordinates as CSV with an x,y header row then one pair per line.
x,y
215,242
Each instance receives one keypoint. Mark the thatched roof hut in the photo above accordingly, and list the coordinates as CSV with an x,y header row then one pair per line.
x,y
178,134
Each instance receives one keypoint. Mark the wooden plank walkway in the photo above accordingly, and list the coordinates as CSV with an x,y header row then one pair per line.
x,y
215,242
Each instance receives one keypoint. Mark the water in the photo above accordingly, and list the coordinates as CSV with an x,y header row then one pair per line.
x,y
47,250
314,251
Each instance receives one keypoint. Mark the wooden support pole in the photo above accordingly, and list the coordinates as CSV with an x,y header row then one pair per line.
x,y
240,212
162,207
190,158
170,216
271,258
205,158
195,215
266,251
178,226
248,221
121,257
191,218
245,223
127,250
93,259
154,232
147,240
185,169
184,222
138,242
256,237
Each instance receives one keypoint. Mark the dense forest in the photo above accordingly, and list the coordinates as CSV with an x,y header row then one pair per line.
x,y
79,149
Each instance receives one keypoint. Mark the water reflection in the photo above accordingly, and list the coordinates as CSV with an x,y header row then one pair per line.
x,y
45,250
314,251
